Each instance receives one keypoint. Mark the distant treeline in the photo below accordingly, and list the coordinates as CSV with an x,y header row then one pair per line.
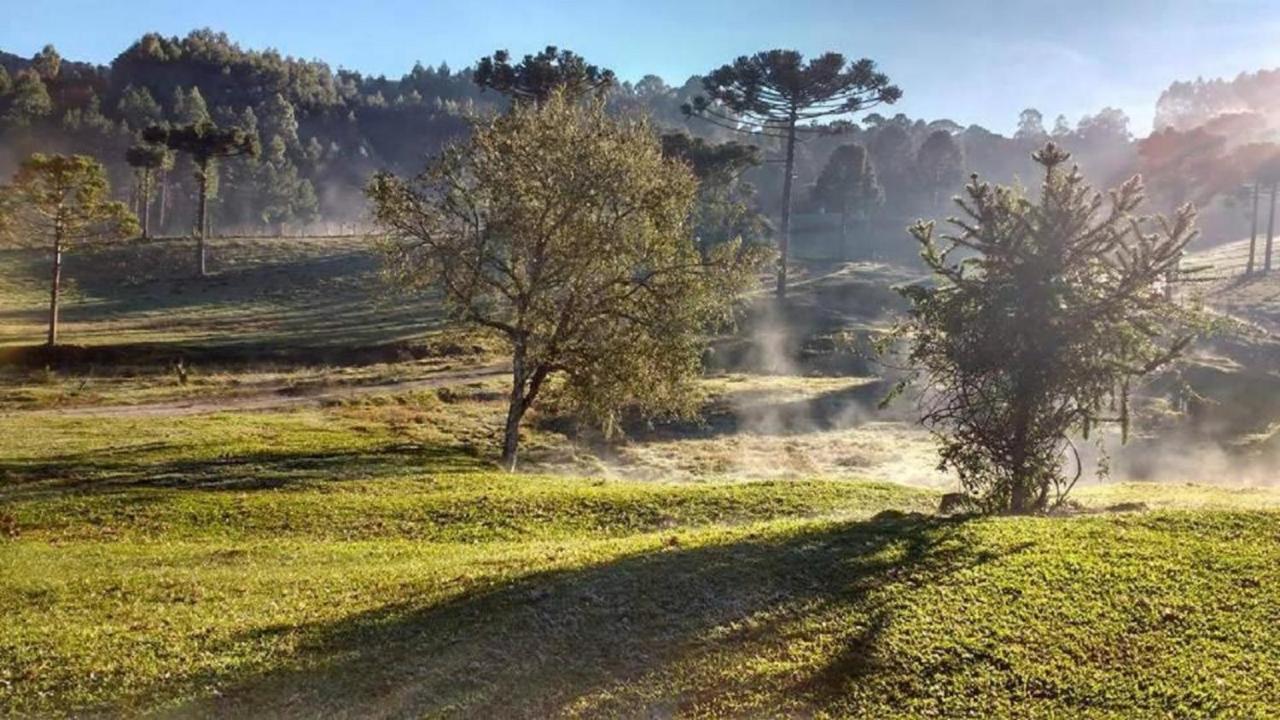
x,y
324,132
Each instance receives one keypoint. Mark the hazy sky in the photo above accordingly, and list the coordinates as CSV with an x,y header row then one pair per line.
x,y
977,61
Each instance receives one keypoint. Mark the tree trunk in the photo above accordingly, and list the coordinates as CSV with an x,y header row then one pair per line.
x,y
55,288
1253,232
515,411
1271,225
202,222
164,197
784,243
146,203
844,235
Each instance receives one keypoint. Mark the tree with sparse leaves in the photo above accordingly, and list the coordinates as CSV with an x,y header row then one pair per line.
x,y
776,93
60,201
848,185
1040,329
205,143
536,77
565,232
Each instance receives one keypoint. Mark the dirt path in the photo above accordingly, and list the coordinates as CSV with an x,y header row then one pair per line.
x,y
282,397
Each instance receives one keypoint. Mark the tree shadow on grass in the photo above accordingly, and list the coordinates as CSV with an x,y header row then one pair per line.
x,y
123,469
624,637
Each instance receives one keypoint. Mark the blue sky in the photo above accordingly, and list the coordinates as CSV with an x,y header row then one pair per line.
x,y
979,61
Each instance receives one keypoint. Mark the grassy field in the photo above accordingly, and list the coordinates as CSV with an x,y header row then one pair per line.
x,y
312,292
324,535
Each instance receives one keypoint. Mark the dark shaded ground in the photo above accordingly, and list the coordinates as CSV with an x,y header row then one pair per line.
x,y
531,647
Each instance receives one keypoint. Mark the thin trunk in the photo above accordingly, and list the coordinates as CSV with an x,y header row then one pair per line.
x,y
1271,225
515,411
164,197
146,202
784,243
844,235
203,219
1253,232
55,287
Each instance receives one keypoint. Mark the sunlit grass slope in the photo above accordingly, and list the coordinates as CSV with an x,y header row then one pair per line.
x,y
282,291
326,562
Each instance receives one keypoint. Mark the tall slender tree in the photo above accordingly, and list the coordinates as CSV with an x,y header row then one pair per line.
x,y
148,161
61,200
775,93
205,143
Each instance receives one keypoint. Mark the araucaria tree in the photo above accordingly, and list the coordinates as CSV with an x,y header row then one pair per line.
x,y
775,94
1040,330
205,143
58,201
566,232
536,77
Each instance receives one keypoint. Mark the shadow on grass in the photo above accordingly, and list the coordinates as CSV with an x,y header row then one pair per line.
x,y
105,471
624,637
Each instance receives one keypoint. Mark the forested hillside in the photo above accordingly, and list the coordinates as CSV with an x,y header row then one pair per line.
x,y
324,131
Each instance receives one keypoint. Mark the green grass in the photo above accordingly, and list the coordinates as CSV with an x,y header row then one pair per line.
x,y
362,557
299,292
349,561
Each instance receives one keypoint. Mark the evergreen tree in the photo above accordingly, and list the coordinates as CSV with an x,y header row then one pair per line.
x,y
939,166
277,119
30,100
1043,329
47,63
848,185
61,201
535,77
148,161
138,108
205,143
775,92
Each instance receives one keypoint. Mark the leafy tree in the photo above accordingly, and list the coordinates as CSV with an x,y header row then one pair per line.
x,y
725,209
774,92
536,77
565,232
1043,329
148,161
30,100
6,82
61,201
205,143
848,185
939,165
